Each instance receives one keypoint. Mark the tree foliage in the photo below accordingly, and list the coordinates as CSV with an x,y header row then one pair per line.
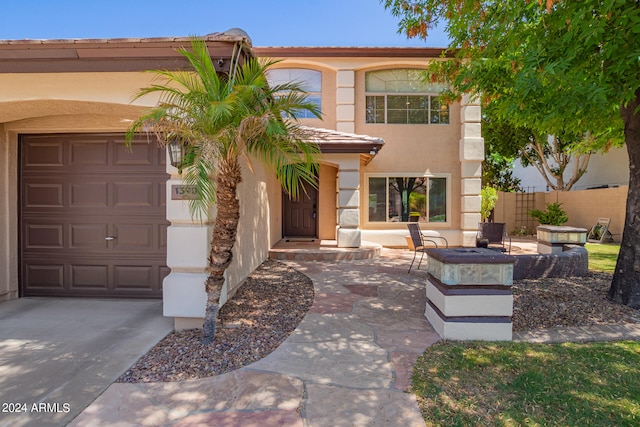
x,y
560,65
554,66
560,159
489,198
221,118
502,143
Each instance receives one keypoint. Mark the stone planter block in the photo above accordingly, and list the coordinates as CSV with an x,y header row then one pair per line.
x,y
552,238
469,294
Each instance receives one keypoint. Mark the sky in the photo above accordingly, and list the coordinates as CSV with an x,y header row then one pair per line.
x,y
268,22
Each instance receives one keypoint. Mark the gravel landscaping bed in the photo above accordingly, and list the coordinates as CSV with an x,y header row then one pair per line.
x,y
254,322
273,301
572,301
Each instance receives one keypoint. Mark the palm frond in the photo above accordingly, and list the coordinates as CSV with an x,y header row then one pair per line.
x,y
199,176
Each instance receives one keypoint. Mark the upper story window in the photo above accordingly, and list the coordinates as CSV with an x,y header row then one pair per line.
x,y
310,80
401,96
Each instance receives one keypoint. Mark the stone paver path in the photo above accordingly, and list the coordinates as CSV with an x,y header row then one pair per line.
x,y
348,363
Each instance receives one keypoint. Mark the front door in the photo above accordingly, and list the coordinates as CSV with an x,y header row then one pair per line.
x,y
300,215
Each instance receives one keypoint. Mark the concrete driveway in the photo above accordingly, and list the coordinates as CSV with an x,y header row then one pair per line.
x,y
58,355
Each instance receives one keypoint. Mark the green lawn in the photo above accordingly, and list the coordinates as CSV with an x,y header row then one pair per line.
x,y
602,257
521,384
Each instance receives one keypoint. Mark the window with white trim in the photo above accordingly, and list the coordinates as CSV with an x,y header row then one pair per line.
x,y
402,96
309,80
408,198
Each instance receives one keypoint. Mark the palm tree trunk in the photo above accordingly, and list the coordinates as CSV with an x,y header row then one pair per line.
x,y
224,237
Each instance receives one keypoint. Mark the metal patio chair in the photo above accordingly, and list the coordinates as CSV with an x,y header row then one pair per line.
x,y
419,241
493,233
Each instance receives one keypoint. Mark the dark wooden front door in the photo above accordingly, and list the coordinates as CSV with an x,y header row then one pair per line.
x,y
301,214
93,216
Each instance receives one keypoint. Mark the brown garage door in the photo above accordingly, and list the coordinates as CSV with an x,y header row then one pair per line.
x,y
93,218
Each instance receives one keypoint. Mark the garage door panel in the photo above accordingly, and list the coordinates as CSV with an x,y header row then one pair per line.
x,y
89,277
137,157
132,276
44,236
162,236
37,153
89,153
43,195
161,193
89,236
134,236
88,193
132,194
103,190
49,277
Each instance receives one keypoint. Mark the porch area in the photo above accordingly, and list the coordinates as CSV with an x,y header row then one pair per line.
x,y
290,249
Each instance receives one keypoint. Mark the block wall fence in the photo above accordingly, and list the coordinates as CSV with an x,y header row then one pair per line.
x,y
583,207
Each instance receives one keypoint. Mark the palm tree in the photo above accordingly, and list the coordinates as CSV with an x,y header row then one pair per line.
x,y
221,118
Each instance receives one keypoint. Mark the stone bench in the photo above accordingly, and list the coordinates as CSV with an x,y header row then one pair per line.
x,y
573,261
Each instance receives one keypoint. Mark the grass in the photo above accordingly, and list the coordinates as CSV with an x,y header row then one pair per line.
x,y
602,257
522,384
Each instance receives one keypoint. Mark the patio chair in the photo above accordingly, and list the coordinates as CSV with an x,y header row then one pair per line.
x,y
419,243
493,233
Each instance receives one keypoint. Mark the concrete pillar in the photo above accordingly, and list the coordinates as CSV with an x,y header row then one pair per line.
x,y
469,294
345,101
471,157
349,235
184,297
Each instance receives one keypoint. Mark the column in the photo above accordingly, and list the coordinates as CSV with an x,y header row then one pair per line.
x,y
345,101
471,157
348,233
184,297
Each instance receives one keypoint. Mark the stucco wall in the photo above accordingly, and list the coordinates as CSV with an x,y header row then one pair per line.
x,y
420,149
327,202
8,216
259,195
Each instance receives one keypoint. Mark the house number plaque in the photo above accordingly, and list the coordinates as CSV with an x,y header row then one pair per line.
x,y
183,192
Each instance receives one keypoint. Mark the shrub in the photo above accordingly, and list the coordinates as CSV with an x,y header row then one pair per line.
x,y
554,215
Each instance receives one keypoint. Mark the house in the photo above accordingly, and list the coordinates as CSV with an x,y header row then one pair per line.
x,y
84,216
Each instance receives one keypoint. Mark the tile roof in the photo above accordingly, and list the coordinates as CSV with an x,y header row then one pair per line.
x,y
333,141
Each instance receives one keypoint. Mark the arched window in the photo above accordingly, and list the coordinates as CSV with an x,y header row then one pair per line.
x,y
310,80
401,96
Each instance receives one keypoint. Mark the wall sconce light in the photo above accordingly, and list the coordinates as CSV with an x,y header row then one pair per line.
x,y
176,154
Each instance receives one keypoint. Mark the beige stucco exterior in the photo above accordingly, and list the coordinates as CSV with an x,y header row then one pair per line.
x,y
50,103
101,101
454,150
